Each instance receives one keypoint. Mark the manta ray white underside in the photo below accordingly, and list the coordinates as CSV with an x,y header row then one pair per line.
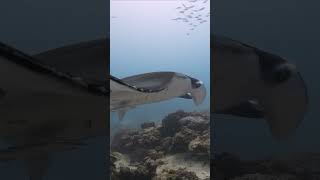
x,y
129,92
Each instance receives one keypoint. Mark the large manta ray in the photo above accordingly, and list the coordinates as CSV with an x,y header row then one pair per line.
x,y
53,100
252,83
153,87
45,110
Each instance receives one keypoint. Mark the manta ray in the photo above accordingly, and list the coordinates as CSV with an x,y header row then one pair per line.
x,y
53,100
129,92
253,83
45,110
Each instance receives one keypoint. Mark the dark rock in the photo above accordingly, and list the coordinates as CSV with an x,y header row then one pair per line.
x,y
179,174
196,123
167,144
126,173
171,123
200,145
154,154
182,139
148,125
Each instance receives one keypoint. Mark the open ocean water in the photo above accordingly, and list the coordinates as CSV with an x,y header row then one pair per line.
x,y
148,36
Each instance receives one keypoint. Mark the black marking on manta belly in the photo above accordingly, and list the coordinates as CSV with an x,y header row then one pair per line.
x,y
144,90
124,103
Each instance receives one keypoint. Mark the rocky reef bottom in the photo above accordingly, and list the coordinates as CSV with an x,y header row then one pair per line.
x,y
228,166
178,148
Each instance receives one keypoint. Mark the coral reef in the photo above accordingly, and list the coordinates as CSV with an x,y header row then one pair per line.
x,y
293,167
176,149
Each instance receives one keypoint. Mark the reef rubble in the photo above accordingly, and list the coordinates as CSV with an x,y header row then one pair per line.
x,y
178,148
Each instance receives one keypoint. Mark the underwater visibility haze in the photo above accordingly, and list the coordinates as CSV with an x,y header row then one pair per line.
x,y
146,38
168,139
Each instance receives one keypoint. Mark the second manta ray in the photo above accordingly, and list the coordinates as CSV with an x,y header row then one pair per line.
x,y
153,87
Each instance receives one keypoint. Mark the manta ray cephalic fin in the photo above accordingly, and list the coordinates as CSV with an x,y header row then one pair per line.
x,y
121,114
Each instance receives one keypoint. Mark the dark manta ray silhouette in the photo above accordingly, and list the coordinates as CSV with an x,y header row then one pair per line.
x,y
44,110
252,83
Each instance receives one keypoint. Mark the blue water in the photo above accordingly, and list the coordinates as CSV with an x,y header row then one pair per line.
x,y
144,38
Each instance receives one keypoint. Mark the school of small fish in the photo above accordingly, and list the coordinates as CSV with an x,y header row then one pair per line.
x,y
193,13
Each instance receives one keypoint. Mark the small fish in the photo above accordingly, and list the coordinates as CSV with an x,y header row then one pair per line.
x,y
203,21
201,9
187,7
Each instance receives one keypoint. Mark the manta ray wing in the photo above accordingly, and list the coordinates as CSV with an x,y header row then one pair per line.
x,y
88,60
23,73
